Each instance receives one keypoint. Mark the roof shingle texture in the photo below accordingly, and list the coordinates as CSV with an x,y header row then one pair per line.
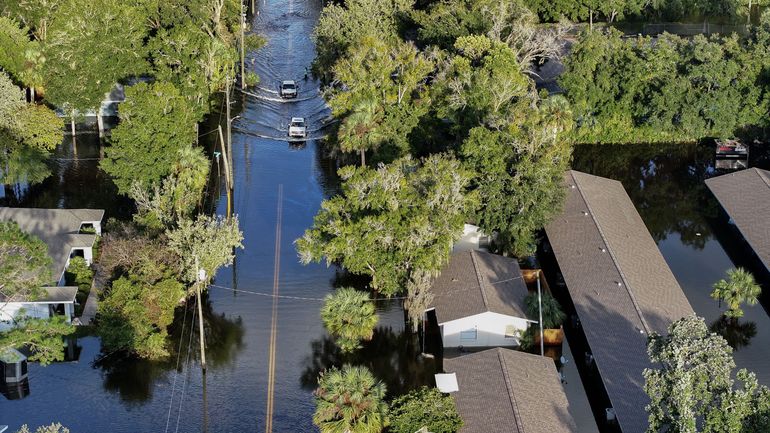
x,y
620,285
506,391
745,196
475,282
58,228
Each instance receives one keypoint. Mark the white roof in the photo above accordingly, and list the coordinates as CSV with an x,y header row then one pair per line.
x,y
298,119
288,82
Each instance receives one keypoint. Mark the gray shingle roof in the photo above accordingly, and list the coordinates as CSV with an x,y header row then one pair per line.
x,y
475,282
50,295
745,196
506,391
620,285
58,228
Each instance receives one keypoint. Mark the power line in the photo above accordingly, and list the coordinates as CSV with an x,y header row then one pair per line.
x,y
178,353
184,382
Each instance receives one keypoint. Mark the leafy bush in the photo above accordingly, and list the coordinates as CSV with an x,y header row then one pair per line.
x,y
79,274
424,407
553,316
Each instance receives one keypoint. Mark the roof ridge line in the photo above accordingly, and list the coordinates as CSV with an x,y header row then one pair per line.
x,y
511,393
612,255
480,280
758,171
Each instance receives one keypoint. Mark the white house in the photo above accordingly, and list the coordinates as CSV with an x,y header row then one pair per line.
x,y
55,301
66,232
479,301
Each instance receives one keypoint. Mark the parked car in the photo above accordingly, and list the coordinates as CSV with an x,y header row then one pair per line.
x,y
288,89
297,128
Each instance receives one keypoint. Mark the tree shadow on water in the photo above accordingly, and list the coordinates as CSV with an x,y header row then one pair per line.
x,y
738,334
134,379
393,357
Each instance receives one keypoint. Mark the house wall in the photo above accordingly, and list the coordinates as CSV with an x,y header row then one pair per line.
x,y
490,330
12,310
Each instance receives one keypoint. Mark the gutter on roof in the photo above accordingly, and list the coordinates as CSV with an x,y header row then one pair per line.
x,y
612,255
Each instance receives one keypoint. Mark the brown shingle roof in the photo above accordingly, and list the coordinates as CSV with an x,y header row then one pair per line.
x,y
620,285
506,391
58,228
745,196
475,282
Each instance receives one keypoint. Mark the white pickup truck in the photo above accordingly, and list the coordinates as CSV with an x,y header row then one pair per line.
x,y
297,128
288,89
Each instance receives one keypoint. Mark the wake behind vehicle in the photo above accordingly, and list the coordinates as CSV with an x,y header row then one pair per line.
x,y
288,89
297,128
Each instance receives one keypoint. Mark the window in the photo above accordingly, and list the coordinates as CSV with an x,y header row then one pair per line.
x,y
511,332
468,334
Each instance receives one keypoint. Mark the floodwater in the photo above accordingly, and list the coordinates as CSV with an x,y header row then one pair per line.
x,y
278,189
102,392
666,184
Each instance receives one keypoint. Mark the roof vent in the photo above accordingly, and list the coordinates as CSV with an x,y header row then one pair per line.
x,y
446,383
610,413
619,283
585,213
604,250
572,185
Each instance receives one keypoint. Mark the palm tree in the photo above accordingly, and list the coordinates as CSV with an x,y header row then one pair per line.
x,y
360,129
350,401
741,288
349,316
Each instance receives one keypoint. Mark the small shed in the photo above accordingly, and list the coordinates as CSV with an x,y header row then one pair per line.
x,y
13,366
479,301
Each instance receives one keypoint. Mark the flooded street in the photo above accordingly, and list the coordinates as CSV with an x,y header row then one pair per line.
x,y
265,341
124,395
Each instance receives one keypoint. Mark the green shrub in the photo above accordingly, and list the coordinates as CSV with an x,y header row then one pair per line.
x,y
425,407
79,274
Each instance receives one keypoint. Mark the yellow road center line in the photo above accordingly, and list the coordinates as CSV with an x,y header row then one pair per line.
x,y
274,325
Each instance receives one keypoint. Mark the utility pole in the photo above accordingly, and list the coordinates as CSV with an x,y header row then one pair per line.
x,y
201,273
540,308
227,109
243,48
228,178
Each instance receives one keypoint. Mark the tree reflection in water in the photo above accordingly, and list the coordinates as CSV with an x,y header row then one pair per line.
x,y
393,357
738,334
134,379
665,182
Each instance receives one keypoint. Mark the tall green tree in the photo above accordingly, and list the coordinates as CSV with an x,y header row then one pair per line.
x,y
391,221
20,56
90,46
41,337
349,316
25,266
424,408
692,387
156,123
741,288
519,172
35,14
350,400
204,243
136,312
379,95
341,25
178,195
